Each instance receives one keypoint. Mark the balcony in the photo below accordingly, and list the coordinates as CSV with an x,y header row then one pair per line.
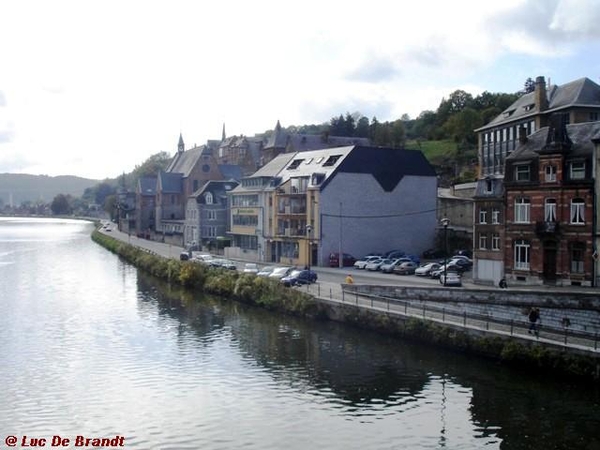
x,y
546,229
292,210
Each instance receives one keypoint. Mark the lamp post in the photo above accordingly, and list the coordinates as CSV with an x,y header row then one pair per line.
x,y
308,231
445,223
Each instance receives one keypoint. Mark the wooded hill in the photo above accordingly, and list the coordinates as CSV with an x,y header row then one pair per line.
x,y
33,188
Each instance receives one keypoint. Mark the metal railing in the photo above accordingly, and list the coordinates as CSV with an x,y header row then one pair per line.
x,y
514,327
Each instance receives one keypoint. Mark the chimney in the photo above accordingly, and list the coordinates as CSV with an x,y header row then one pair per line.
x,y
540,95
522,134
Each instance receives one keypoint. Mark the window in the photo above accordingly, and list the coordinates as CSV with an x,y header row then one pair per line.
x,y
210,232
522,207
522,172
295,163
208,198
550,173
495,241
593,116
577,170
245,220
577,257
550,210
483,241
488,186
578,211
331,160
522,250
211,214
482,216
495,216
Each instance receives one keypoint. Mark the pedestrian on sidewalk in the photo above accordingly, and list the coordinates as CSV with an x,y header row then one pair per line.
x,y
349,279
534,316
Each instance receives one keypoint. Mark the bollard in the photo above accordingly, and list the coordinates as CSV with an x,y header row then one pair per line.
x,y
512,325
465,319
443,314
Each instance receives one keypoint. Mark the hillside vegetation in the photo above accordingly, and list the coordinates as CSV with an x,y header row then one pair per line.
x,y
43,188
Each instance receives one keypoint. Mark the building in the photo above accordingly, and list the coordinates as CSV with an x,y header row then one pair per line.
x,y
575,102
145,206
550,206
303,206
207,216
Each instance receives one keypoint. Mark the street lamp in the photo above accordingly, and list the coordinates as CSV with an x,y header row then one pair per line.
x,y
445,223
308,231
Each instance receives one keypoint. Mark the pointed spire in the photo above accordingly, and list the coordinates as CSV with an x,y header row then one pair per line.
x,y
278,127
223,136
180,145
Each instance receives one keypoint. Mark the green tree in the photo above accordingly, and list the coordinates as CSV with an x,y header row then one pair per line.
x,y
460,126
397,133
362,127
60,205
153,165
110,202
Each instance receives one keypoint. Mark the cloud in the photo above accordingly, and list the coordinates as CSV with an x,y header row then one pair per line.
x,y
375,70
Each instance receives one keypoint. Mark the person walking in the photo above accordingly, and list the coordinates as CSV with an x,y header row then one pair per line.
x,y
534,316
349,279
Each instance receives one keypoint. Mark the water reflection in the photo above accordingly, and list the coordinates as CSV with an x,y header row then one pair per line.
x,y
90,345
367,376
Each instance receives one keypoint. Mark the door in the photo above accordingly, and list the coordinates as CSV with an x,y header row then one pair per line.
x,y
550,261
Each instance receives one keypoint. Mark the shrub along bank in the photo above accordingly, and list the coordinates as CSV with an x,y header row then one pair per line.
x,y
270,294
231,284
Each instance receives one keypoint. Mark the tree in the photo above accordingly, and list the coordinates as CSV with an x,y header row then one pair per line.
x,y
60,205
460,126
109,205
397,133
529,86
362,127
154,164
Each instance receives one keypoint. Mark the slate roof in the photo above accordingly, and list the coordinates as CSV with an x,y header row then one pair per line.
x,y
171,183
581,92
147,186
387,165
184,162
580,134
218,188
231,171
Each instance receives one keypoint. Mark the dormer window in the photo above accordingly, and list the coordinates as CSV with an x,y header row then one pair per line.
x,y
529,107
208,198
522,172
489,186
550,173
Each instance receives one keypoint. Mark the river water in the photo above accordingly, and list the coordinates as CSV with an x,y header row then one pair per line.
x,y
91,347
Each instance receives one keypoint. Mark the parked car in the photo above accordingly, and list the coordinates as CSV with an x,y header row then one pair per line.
x,y
250,268
425,270
279,272
449,268
265,271
375,264
462,261
347,261
414,258
203,258
184,255
394,254
450,279
298,277
223,264
466,253
389,268
405,268
361,263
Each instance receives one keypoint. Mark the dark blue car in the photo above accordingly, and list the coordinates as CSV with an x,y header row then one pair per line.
x,y
298,277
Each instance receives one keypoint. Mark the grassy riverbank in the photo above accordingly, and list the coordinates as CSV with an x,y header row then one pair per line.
x,y
270,294
230,284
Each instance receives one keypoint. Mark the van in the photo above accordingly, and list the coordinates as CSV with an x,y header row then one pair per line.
x,y
348,260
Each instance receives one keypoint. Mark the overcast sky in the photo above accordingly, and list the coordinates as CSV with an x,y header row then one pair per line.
x,y
95,88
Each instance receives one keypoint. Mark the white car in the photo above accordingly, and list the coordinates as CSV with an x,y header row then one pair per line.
x,y
280,272
266,271
203,258
361,263
426,269
450,279
375,264
251,268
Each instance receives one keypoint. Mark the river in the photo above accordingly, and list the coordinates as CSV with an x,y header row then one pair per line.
x,y
91,347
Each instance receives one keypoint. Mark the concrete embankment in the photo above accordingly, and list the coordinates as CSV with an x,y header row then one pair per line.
x,y
366,307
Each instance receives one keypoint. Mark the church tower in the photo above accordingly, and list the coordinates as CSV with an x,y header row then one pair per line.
x,y
180,145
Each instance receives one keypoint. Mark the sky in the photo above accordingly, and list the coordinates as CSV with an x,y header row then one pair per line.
x,y
94,88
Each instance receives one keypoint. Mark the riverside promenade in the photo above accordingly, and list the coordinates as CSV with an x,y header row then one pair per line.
x,y
351,296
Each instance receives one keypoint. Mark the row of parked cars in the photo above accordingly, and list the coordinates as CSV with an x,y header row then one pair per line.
x,y
448,272
289,276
